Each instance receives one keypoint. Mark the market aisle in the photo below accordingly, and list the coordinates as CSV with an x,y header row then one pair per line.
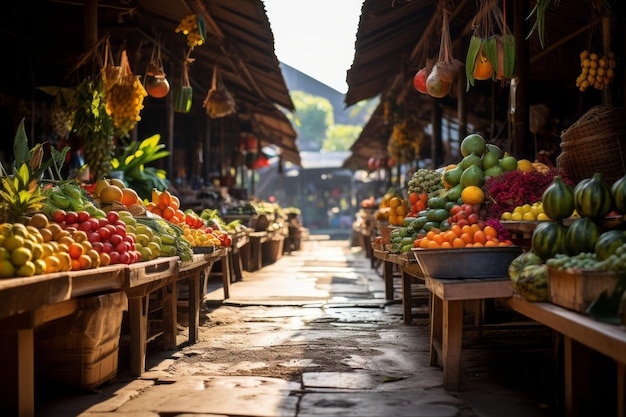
x,y
310,335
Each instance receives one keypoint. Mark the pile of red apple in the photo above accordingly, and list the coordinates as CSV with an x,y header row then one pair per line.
x,y
106,235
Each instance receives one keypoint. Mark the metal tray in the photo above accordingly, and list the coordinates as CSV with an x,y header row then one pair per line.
x,y
466,263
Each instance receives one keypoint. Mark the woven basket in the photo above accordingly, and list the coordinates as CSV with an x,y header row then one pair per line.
x,y
595,143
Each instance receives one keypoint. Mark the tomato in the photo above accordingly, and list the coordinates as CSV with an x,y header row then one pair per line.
x,y
413,198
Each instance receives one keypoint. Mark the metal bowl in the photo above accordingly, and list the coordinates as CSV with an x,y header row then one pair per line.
x,y
467,263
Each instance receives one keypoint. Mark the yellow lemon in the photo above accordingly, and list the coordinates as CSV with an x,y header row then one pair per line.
x,y
7,270
543,216
26,270
19,256
13,241
517,216
528,216
40,266
506,215
4,254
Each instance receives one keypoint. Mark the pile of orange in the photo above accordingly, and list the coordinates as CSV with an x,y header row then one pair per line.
x,y
461,237
166,205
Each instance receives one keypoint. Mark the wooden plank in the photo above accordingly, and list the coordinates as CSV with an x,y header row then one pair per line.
x,y
470,289
105,278
21,295
610,340
138,316
157,269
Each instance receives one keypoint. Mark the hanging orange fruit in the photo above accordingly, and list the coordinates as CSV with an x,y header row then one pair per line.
x,y
484,68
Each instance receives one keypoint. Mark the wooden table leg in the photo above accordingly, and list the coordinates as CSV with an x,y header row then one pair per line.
x,y
406,298
138,317
621,390
436,307
170,328
226,272
194,304
452,343
577,374
388,278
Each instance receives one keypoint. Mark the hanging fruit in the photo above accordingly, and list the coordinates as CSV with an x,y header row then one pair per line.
x,y
597,71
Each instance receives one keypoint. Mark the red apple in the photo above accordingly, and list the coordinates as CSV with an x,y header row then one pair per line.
x,y
113,216
85,227
107,247
58,216
83,216
115,257
94,237
115,239
71,217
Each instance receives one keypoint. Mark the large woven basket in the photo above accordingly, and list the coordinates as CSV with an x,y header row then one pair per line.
x,y
595,143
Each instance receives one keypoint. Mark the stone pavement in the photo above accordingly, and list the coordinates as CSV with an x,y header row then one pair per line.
x,y
312,335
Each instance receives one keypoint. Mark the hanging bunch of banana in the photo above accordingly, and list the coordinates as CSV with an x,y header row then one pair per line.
x,y
124,99
95,126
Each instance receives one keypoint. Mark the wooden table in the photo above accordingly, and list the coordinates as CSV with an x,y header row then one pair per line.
x,y
191,273
446,319
255,260
236,254
581,334
409,270
24,307
142,279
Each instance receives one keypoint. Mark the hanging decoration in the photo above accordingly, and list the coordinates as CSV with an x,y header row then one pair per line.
x,y
194,27
405,142
219,102
184,93
124,95
156,83
490,55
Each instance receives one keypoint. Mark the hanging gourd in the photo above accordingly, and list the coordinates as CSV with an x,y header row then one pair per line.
x,y
156,84
446,70
184,93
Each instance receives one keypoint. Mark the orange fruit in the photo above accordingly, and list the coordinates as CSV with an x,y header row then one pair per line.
x,y
479,237
472,195
174,202
490,231
75,250
129,197
458,242
168,213
111,194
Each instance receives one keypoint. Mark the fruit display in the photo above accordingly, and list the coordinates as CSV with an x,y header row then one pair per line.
x,y
425,181
526,212
597,70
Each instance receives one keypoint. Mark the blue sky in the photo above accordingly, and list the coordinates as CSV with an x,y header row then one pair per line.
x,y
316,37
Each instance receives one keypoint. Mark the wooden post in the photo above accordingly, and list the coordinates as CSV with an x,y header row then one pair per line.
x,y
607,96
521,147
461,109
435,140
90,24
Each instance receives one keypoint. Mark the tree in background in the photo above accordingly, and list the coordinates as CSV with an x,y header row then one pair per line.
x,y
314,116
341,137
314,122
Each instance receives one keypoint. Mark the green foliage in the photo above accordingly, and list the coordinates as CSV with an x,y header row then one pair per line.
x,y
133,162
314,117
341,137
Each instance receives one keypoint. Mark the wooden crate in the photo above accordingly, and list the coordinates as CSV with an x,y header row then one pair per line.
x,y
575,290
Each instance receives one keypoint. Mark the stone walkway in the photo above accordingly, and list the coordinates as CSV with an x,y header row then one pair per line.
x,y
312,335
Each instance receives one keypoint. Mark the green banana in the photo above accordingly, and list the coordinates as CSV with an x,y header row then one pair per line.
x,y
60,200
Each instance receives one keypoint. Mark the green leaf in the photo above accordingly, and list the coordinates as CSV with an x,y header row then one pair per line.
x,y
21,152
